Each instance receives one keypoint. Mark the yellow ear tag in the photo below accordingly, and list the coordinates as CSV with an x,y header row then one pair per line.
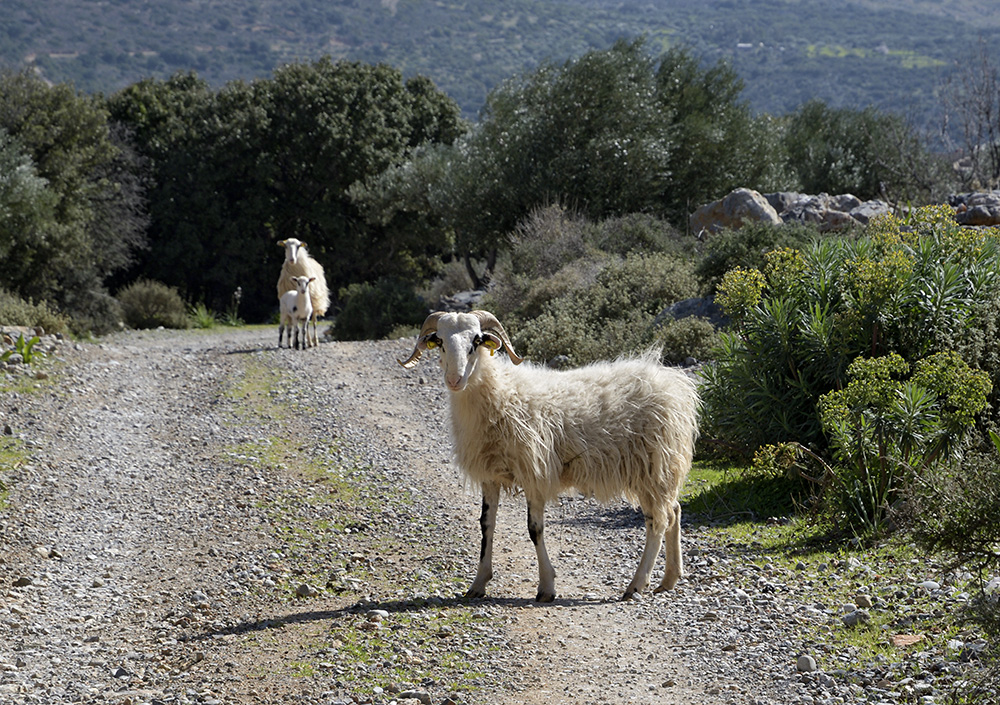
x,y
430,344
492,346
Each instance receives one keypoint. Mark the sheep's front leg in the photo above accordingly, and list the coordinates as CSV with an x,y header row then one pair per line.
x,y
536,530
487,522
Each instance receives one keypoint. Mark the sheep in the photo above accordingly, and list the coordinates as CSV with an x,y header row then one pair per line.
x,y
610,429
298,263
296,310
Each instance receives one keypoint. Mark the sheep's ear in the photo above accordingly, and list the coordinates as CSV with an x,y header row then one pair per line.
x,y
281,243
492,343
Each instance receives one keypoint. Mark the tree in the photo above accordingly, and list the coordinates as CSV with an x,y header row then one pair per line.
x,y
868,153
26,210
237,170
719,144
69,140
971,96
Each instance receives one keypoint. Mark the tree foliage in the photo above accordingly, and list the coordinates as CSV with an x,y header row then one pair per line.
x,y
238,169
868,153
75,216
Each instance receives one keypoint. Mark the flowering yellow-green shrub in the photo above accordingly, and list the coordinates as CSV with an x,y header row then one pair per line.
x,y
908,311
739,292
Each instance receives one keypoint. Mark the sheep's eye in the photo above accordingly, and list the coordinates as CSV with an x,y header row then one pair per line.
x,y
432,342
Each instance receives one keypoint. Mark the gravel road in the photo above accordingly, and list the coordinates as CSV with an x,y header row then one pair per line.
x,y
204,518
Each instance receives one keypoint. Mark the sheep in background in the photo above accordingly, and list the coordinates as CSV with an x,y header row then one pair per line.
x,y
296,310
610,429
298,263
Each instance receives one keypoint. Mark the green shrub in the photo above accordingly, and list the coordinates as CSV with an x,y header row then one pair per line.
x,y
200,316
687,337
887,427
15,311
746,247
150,304
639,232
913,287
596,307
92,310
371,310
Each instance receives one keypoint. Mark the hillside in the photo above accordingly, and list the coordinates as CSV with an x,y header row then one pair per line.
x,y
889,53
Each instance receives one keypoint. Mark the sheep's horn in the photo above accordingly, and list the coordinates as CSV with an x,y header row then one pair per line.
x,y
430,326
487,321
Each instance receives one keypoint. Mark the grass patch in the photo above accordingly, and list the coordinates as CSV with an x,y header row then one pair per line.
x,y
12,456
416,645
890,579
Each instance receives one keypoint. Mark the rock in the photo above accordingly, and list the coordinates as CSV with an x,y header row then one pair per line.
x,y
305,590
740,206
977,209
462,301
855,618
421,695
700,307
863,602
23,581
805,664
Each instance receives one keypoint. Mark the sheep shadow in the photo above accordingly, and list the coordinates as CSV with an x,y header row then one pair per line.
x,y
412,605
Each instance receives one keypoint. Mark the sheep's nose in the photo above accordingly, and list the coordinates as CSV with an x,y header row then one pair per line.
x,y
454,381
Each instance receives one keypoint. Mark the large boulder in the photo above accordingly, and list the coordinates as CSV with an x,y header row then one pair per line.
x,y
832,212
977,208
741,206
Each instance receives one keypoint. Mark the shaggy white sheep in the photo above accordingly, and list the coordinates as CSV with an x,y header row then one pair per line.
x,y
296,310
298,263
612,429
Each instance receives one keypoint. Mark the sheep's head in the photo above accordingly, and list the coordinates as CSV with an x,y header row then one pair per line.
x,y
292,249
302,283
463,338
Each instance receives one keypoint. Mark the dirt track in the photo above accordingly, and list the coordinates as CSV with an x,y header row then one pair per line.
x,y
172,510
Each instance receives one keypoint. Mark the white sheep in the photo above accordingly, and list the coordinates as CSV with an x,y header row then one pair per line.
x,y
298,263
610,429
296,310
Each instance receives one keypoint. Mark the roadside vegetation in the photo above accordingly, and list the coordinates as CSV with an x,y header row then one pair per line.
x,y
851,380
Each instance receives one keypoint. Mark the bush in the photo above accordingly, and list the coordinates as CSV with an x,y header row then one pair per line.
x,y
687,337
746,247
576,289
639,232
15,311
597,307
150,304
887,428
913,287
371,310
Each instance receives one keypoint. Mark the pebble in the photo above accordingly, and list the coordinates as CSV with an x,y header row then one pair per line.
x,y
805,664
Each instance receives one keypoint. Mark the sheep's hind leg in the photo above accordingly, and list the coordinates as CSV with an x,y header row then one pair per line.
x,y
672,549
487,522
654,539
546,573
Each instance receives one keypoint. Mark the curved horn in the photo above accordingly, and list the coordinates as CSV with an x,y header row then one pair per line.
x,y
426,330
487,321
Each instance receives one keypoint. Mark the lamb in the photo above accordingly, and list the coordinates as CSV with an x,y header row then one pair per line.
x,y
296,310
610,429
298,263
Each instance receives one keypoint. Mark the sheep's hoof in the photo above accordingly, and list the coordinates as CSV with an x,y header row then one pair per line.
x,y
545,596
668,583
475,594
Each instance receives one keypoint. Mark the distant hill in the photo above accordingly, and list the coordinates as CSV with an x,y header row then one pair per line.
x,y
887,53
